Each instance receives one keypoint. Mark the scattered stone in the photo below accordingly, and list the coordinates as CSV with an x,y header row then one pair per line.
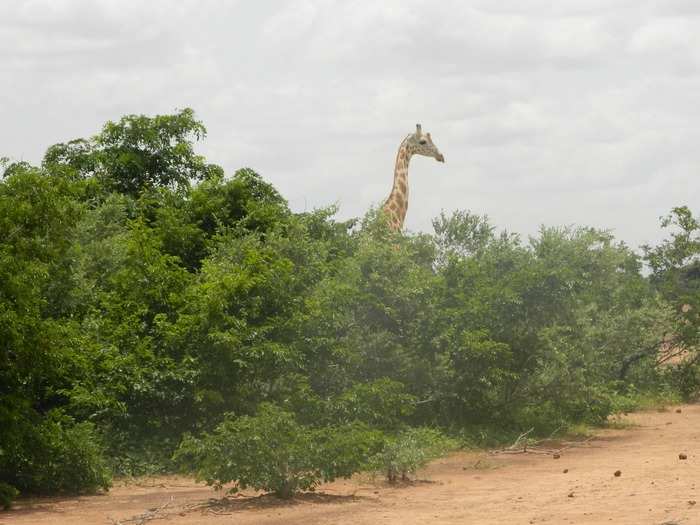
x,y
556,456
678,411
618,473
566,470
682,456
691,502
571,494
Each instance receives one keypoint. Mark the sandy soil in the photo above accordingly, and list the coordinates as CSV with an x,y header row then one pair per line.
x,y
655,487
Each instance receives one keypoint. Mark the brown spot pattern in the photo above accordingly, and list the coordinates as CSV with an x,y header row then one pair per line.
x,y
397,203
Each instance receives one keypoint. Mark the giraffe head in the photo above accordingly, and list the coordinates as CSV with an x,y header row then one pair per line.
x,y
422,144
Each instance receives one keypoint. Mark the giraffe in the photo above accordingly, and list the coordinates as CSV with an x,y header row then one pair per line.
x,y
396,204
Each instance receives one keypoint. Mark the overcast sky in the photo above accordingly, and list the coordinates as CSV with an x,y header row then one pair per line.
x,y
548,112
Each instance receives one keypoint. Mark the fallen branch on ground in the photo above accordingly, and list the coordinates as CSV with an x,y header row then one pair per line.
x,y
520,438
533,448
151,514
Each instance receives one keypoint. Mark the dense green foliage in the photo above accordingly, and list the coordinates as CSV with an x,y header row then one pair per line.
x,y
145,296
7,494
675,266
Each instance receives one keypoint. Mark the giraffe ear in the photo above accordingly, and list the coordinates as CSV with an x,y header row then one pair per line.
x,y
418,130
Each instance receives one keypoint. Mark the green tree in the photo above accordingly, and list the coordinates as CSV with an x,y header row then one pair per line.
x,y
675,267
41,448
139,153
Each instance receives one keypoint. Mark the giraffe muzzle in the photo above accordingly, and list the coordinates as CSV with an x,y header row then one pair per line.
x,y
440,157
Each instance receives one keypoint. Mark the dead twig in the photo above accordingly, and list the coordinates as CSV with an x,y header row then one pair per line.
x,y
533,448
151,514
520,438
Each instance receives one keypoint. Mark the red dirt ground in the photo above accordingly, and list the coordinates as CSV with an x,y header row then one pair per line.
x,y
655,487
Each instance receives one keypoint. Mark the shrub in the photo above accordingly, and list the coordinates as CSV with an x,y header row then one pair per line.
x,y
685,379
56,456
411,450
7,494
271,451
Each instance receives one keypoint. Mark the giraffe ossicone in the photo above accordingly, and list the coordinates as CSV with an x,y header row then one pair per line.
x,y
396,204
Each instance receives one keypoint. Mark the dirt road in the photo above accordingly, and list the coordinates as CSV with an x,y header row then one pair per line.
x,y
655,487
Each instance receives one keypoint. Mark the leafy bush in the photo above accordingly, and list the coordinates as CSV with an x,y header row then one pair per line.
x,y
684,378
56,456
411,450
7,494
271,451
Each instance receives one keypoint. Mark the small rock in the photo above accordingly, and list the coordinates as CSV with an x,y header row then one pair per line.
x,y
556,456
566,470
618,473
682,456
691,502
571,494
678,411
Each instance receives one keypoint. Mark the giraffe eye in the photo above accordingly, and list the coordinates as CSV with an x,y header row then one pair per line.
x,y
423,141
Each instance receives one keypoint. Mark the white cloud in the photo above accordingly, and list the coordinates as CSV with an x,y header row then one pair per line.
x,y
579,111
292,21
664,34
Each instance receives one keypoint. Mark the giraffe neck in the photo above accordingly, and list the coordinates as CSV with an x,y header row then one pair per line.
x,y
396,205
